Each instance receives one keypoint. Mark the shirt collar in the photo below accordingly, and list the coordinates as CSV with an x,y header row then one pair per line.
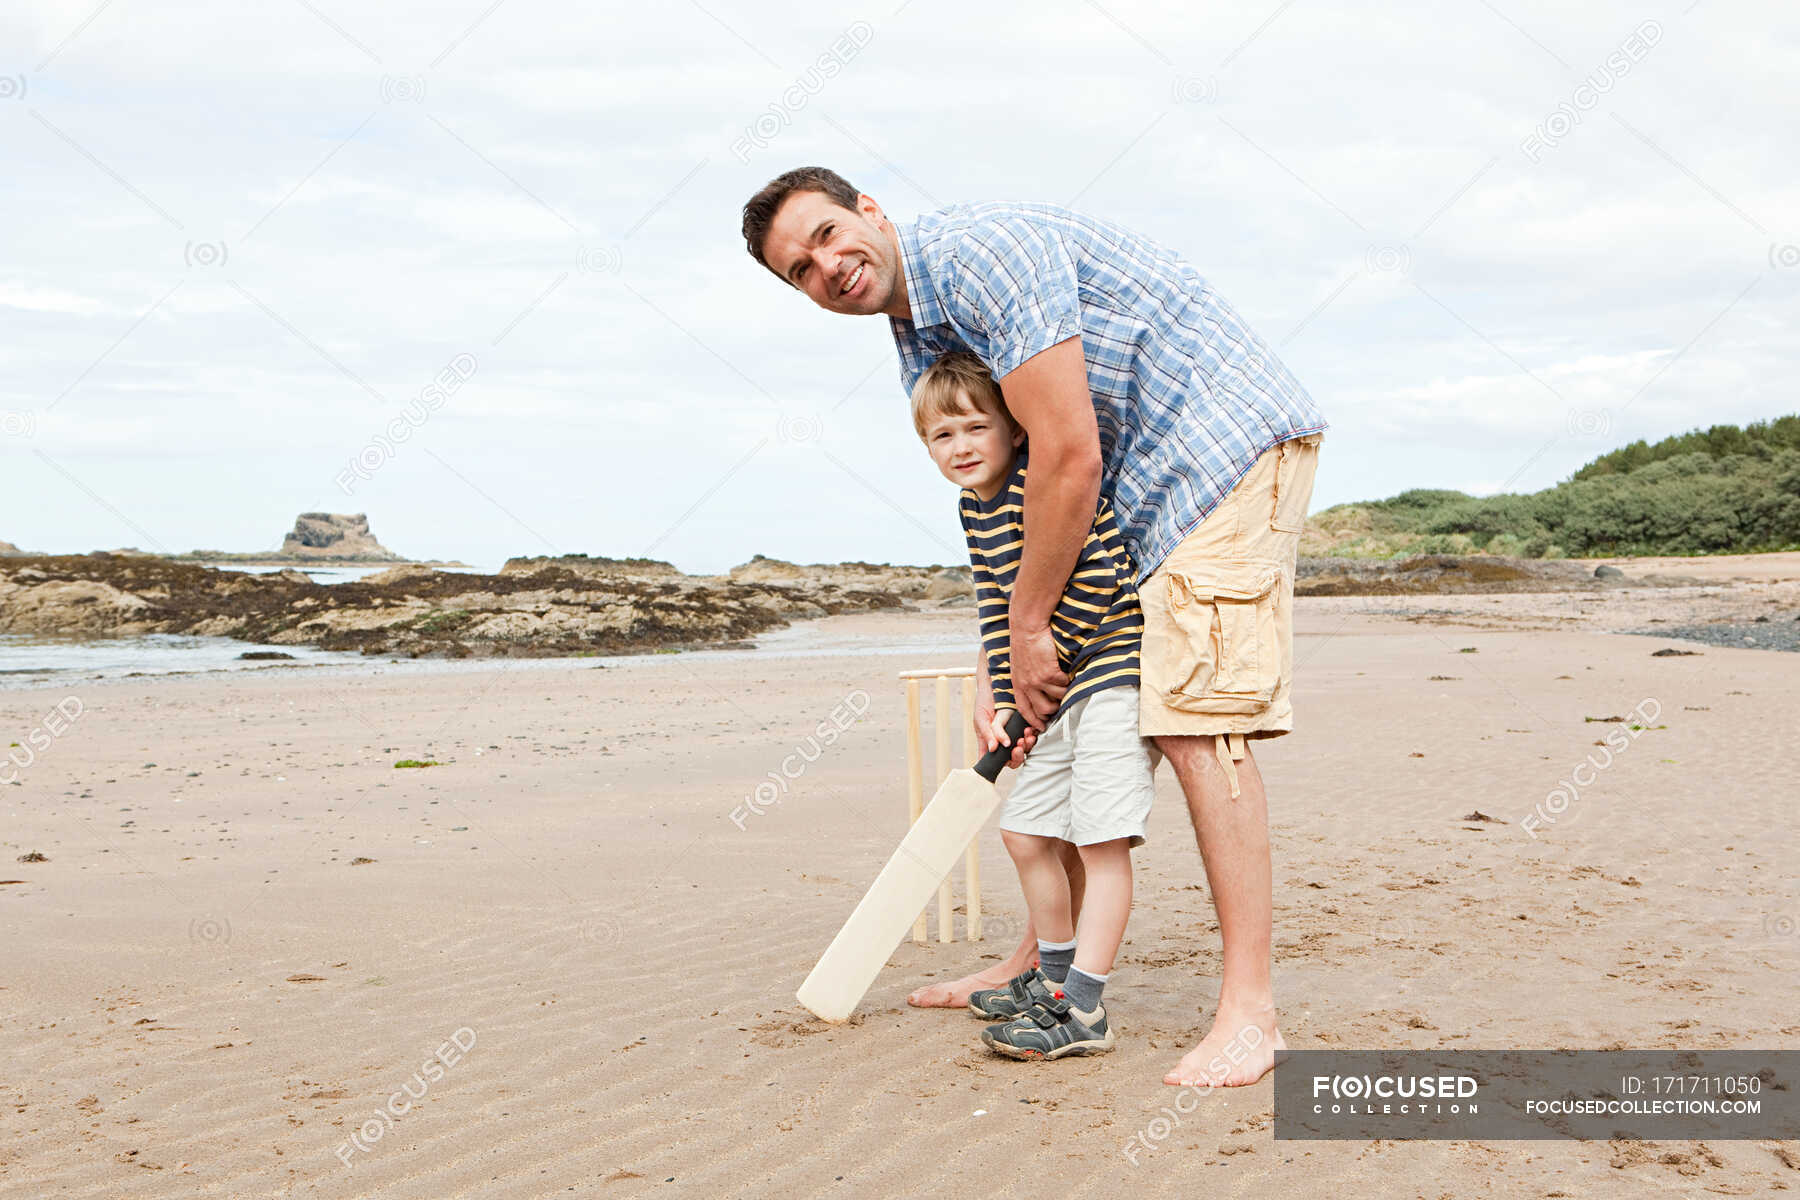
x,y
921,297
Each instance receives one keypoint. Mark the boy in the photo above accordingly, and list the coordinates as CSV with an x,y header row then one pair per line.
x,y
1088,780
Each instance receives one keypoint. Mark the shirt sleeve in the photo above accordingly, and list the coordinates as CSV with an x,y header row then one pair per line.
x,y
999,671
1014,284
999,678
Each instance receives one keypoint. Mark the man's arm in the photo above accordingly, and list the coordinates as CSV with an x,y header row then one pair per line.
x,y
985,725
1048,396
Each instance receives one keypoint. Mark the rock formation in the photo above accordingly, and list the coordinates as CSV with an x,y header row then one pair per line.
x,y
592,567
409,610
946,586
8,550
336,536
1445,574
581,606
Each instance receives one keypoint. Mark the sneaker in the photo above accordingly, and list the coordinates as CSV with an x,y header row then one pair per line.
x,y
1005,1003
1052,1028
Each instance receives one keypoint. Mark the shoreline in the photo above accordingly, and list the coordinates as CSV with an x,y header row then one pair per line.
x,y
378,564
418,621
1730,616
928,632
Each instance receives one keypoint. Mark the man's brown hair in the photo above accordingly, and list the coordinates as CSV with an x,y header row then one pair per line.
x,y
760,211
945,384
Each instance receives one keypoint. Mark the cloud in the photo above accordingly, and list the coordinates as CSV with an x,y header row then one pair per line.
x,y
48,300
553,190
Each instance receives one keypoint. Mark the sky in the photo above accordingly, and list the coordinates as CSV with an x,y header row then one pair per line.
x,y
1493,239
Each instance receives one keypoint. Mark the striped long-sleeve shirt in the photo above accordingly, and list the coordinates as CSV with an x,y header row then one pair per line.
x,y
1097,625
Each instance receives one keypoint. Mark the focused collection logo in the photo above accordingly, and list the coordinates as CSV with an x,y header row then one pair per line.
x,y
1399,1095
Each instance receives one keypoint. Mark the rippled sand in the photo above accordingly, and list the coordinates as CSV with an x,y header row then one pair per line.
x,y
207,994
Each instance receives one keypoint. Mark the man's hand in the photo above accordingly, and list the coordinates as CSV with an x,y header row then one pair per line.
x,y
990,727
1038,682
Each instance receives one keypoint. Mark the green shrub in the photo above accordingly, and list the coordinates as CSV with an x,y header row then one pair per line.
x,y
1720,490
1758,439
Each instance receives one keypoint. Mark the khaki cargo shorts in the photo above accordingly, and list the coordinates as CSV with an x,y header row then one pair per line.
x,y
1218,655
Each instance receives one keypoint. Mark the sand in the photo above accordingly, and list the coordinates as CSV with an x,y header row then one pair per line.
x,y
206,994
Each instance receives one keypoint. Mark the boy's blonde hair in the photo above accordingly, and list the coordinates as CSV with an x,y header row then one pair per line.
x,y
940,391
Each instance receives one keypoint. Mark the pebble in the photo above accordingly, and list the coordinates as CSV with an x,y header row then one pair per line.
x,y
1742,634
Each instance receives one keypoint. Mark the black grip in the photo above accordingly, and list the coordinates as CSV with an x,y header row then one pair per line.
x,y
992,763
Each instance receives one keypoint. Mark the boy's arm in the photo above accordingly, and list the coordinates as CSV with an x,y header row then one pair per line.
x,y
983,716
986,708
985,698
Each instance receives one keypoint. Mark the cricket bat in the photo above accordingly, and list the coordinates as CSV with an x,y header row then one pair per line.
x,y
906,884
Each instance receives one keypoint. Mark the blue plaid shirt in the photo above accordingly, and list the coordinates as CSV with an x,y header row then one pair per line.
x,y
1186,395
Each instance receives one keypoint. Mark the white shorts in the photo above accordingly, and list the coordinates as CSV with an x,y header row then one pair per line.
x,y
1090,777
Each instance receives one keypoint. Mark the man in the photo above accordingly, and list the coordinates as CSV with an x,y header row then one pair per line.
x,y
1127,371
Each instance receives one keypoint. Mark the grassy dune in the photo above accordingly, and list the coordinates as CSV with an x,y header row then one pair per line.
x,y
1723,490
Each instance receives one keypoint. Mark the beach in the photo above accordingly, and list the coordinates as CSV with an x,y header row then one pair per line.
x,y
251,931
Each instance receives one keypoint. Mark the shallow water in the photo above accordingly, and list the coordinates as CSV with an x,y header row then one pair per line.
x,y
329,575
31,661
39,662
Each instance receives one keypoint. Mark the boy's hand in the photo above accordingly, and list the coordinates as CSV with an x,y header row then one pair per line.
x,y
990,726
996,736
1038,682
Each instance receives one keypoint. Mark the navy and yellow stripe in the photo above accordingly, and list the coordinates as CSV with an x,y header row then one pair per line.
x,y
1097,625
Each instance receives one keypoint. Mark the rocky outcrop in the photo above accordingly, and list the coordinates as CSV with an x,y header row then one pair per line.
x,y
33,600
408,610
553,607
1444,574
341,536
592,567
317,539
8,550
932,585
400,574
951,587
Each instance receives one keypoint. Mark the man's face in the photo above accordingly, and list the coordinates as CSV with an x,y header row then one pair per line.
x,y
845,261
974,448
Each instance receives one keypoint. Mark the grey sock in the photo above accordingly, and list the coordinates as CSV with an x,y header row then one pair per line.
x,y
1055,959
1083,990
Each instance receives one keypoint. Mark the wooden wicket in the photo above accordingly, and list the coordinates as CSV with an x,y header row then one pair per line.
x,y
941,767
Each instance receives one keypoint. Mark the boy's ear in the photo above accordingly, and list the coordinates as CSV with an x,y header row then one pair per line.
x,y
1018,438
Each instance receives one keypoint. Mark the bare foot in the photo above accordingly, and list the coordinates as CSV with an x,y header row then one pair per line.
x,y
1235,1052
956,995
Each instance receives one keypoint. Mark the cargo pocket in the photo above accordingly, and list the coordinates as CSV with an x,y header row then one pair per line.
x,y
1225,658
1296,462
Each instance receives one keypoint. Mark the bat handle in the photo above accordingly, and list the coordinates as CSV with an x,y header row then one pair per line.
x,y
991,763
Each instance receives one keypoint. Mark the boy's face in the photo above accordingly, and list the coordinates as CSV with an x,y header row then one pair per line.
x,y
974,448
